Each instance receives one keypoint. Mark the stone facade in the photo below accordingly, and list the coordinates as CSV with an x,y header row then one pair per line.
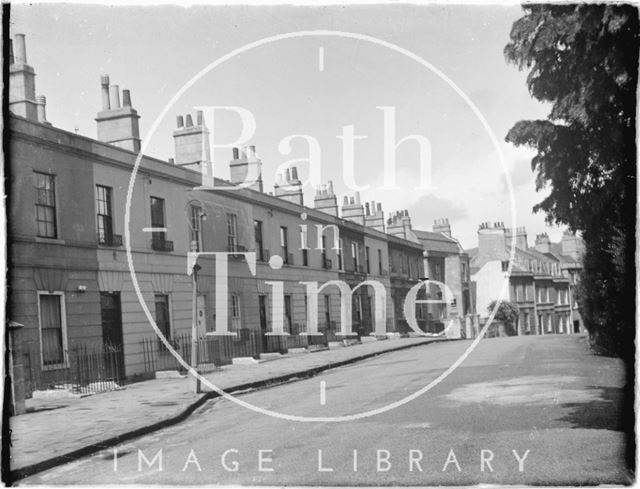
x,y
68,240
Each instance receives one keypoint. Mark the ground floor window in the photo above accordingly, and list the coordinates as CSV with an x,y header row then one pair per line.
x,y
53,331
163,316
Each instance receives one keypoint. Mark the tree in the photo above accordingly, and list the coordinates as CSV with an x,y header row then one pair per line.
x,y
507,313
583,59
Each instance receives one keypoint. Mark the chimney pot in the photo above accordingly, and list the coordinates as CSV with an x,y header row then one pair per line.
x,y
126,98
20,49
114,96
189,122
199,117
236,153
330,187
171,161
380,206
352,201
104,88
180,121
357,197
288,175
294,170
366,208
41,102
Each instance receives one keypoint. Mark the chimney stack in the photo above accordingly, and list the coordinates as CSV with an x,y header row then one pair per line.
x,y
492,243
325,199
442,226
572,245
543,243
291,188
353,210
22,83
374,217
520,237
117,125
246,167
192,147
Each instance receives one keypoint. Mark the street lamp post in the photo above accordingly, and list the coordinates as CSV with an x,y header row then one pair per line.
x,y
194,381
194,384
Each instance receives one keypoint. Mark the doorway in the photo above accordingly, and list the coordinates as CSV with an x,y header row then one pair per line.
x,y
112,334
576,326
262,306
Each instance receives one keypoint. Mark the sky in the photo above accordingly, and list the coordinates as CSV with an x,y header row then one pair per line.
x,y
318,86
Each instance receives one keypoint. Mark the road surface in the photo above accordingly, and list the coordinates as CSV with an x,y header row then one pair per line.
x,y
519,410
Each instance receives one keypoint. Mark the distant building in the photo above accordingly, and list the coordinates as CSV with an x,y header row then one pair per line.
x,y
542,279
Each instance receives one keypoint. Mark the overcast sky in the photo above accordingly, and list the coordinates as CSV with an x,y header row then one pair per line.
x,y
154,51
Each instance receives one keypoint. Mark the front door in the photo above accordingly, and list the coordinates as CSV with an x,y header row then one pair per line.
x,y
112,334
262,305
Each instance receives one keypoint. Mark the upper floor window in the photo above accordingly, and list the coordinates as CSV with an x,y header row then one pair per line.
x,y
46,205
379,262
257,231
284,244
339,253
505,266
325,262
232,232
159,235
367,257
354,255
105,214
196,227
303,246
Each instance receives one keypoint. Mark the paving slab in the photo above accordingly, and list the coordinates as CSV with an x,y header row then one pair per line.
x,y
60,430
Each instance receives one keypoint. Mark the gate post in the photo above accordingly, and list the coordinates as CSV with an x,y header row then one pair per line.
x,y
14,376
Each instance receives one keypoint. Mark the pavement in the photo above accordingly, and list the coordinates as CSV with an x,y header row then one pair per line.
x,y
519,411
58,431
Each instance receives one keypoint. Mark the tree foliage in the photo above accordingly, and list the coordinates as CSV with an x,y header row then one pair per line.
x,y
583,59
507,313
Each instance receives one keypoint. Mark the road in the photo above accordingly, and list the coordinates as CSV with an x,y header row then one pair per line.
x,y
519,410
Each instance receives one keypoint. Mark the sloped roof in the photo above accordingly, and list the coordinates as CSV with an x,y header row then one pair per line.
x,y
438,242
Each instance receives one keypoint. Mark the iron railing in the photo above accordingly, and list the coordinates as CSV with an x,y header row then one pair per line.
x,y
221,350
159,243
82,369
114,240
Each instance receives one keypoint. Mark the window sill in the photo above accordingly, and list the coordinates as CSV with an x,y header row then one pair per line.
x,y
40,239
57,366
